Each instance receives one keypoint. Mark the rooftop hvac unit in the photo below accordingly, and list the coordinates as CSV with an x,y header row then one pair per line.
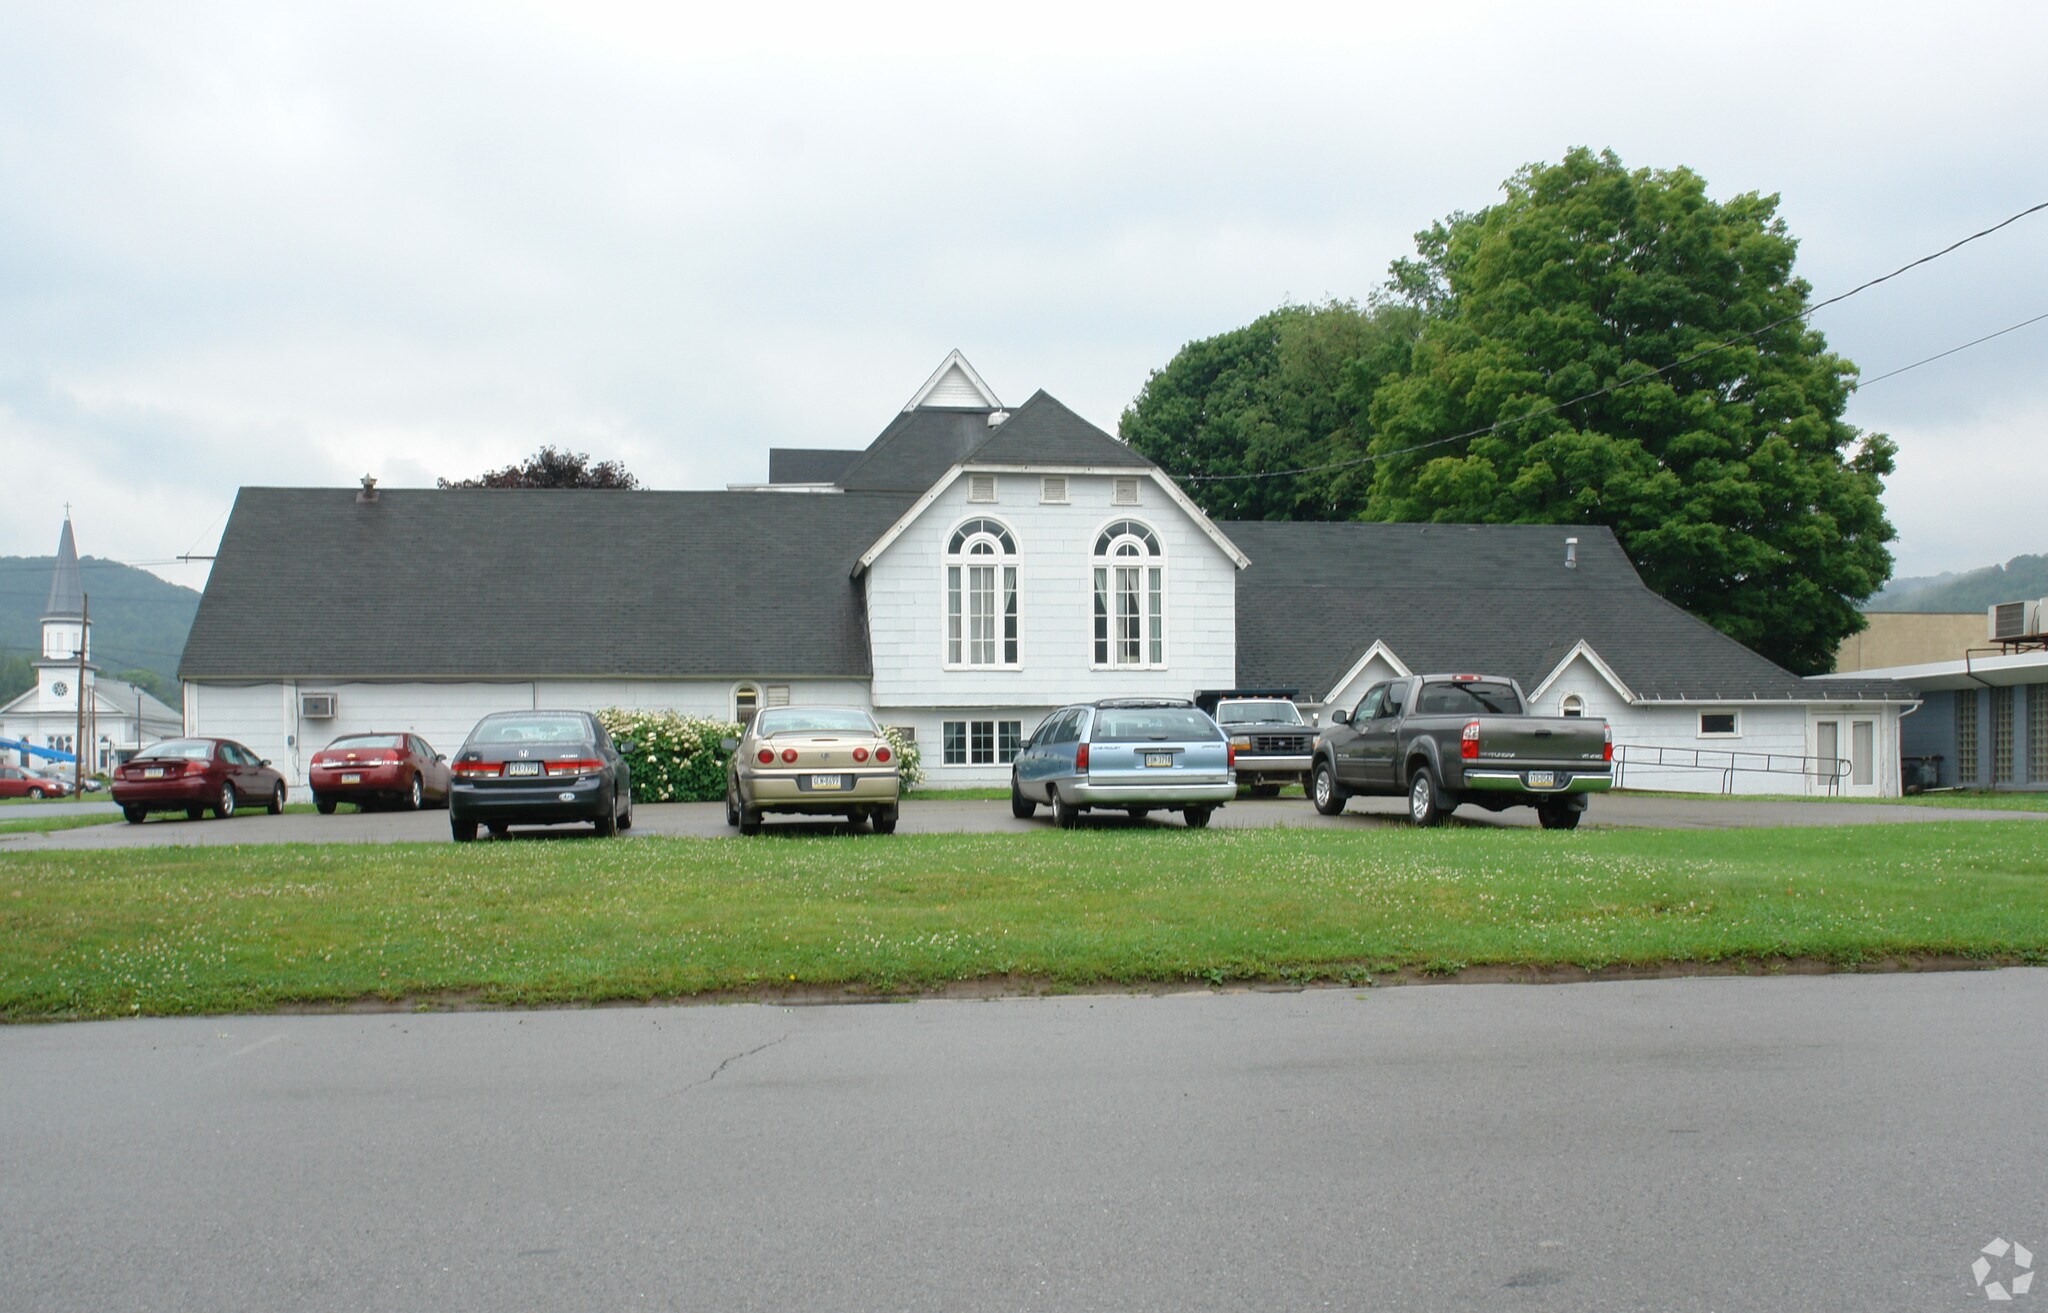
x,y
2011,620
316,706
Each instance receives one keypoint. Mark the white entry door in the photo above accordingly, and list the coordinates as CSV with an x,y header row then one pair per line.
x,y
1851,740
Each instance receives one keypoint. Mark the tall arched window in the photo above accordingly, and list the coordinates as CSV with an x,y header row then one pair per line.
x,y
746,700
1130,597
981,595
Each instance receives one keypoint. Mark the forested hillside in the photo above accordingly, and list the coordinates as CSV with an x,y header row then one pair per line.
x,y
1973,590
139,621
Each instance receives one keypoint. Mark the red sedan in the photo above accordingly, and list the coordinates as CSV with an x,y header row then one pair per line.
x,y
18,783
195,776
397,770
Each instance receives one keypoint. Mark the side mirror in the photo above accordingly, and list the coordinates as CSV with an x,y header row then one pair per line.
x,y
728,746
623,746
264,762
440,757
1024,743
1339,716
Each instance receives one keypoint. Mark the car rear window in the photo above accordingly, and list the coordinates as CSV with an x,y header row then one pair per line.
x,y
1142,724
181,749
534,729
1258,713
1469,698
370,741
804,720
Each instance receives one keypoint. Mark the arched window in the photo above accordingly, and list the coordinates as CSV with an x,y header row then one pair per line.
x,y
981,595
1574,705
1130,597
746,700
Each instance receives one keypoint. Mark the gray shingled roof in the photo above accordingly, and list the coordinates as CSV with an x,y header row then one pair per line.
x,y
504,583
1044,432
917,447
810,464
67,594
1491,598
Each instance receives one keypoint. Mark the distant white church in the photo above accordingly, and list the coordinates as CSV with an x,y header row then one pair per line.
x,y
119,719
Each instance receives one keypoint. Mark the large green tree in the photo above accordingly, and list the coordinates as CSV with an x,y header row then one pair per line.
x,y
552,467
1285,392
1641,349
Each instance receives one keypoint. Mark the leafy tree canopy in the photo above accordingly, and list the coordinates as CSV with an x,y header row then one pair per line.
x,y
1720,458
551,467
1286,391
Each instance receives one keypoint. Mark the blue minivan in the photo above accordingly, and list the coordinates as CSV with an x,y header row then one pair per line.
x,y
1137,755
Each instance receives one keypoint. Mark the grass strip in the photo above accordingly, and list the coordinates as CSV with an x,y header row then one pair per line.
x,y
247,928
45,824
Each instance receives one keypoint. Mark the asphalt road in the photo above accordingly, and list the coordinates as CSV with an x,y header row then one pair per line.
x,y
1845,1142
707,820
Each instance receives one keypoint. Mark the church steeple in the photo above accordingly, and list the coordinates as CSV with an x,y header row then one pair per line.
x,y
65,632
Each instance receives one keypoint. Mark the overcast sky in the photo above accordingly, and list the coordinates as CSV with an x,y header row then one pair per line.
x,y
292,244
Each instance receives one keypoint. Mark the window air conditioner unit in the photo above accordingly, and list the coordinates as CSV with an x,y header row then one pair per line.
x,y
2010,620
316,706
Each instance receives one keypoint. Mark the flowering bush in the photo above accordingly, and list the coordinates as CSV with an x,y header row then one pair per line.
x,y
675,758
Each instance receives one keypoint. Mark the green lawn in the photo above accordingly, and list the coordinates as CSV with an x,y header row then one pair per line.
x,y
161,931
1962,799
33,824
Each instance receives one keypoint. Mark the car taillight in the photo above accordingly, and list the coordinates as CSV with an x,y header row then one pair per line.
x,y
475,768
765,756
789,756
882,755
580,766
860,754
1468,742
1081,757
1607,748
1230,756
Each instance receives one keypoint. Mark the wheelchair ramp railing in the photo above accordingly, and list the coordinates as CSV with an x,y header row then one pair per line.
x,y
1829,772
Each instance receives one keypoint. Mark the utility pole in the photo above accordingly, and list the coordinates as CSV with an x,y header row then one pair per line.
x,y
78,744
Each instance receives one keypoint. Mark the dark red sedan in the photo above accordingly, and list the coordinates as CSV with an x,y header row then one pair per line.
x,y
369,770
195,776
18,783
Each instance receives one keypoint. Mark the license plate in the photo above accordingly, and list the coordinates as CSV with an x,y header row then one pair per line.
x,y
153,773
1159,759
351,779
522,768
1542,779
824,782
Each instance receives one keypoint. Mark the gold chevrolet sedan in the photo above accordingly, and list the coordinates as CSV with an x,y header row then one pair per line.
x,y
818,761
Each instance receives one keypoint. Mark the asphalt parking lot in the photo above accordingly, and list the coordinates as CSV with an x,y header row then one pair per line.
x,y
706,820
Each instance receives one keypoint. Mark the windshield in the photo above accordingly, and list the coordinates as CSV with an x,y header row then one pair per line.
x,y
1469,697
813,720
182,749
1258,713
1143,724
535,728
353,741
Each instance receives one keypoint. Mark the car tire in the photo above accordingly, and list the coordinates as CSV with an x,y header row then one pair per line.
x,y
462,831
1021,807
1425,803
1265,790
135,815
1558,816
1198,817
885,821
732,803
499,830
276,804
626,816
607,822
416,797
36,794
323,804
750,820
226,806
1137,813
195,813
1064,814
1323,790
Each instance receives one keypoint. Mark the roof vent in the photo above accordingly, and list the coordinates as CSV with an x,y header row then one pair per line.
x,y
1571,553
369,492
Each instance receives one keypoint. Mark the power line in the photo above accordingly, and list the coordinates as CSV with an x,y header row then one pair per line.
x,y
1555,406
1894,373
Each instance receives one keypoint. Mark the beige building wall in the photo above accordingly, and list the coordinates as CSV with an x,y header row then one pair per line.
x,y
1910,638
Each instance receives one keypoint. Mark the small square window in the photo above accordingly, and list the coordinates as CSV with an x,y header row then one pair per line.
x,y
1125,493
981,487
1053,489
1718,725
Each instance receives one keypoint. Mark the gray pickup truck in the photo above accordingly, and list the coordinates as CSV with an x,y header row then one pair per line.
x,y
1444,740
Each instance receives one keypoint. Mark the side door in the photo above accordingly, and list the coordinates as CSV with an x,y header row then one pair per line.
x,y
1034,763
238,765
1344,737
1379,737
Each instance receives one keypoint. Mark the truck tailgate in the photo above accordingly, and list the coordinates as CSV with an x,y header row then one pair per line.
x,y
1568,742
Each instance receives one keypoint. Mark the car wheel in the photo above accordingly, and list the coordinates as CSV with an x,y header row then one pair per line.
x,y
323,804
1558,816
1425,805
276,804
135,815
750,819
1329,795
607,823
417,795
226,806
626,816
1265,790
1021,807
732,802
463,831
885,821
195,813
1198,817
1064,813
35,793
499,830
